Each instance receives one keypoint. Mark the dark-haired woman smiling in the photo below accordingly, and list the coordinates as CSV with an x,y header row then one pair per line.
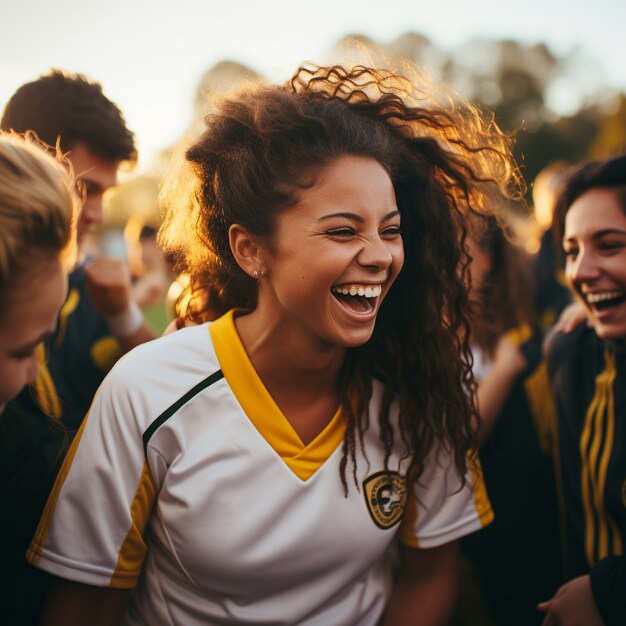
x,y
255,468
588,370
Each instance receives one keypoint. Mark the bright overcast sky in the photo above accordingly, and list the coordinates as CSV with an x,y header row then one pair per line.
x,y
149,54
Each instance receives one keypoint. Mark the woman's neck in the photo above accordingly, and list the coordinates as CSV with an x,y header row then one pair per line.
x,y
288,359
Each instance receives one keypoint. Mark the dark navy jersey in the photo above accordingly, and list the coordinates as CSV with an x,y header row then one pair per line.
x,y
517,557
78,356
35,432
589,384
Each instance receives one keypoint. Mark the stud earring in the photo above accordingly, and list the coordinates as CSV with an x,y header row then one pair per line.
x,y
257,273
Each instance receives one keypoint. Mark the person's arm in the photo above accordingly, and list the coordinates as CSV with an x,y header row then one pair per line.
x,y
508,364
572,605
425,593
109,290
73,604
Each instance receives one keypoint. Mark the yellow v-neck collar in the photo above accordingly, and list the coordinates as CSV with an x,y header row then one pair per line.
x,y
263,411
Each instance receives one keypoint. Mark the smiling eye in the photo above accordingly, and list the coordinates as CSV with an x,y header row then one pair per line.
x,y
391,231
611,245
340,232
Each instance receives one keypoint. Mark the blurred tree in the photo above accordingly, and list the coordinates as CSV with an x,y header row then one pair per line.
x,y
564,139
506,76
520,85
611,136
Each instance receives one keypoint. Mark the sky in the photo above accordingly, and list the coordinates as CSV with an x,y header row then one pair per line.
x,y
149,55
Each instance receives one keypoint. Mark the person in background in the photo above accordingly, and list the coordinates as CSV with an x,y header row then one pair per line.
x,y
551,294
150,272
98,321
38,207
256,468
517,423
588,376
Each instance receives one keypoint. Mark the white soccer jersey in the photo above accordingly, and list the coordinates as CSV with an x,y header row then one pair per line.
x,y
191,486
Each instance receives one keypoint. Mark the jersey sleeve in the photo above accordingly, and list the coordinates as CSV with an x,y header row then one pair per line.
x,y
440,510
92,528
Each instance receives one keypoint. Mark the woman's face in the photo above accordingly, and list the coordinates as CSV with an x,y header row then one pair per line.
x,y
335,255
30,316
594,242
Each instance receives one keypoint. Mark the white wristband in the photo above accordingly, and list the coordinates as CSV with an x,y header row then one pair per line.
x,y
127,323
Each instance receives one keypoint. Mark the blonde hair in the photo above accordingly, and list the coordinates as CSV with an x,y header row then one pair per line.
x,y
38,209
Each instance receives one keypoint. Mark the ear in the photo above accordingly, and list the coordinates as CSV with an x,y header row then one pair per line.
x,y
247,250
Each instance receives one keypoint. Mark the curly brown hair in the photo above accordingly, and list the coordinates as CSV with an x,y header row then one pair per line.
x,y
268,143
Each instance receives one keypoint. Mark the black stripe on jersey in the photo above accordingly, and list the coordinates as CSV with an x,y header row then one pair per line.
x,y
194,391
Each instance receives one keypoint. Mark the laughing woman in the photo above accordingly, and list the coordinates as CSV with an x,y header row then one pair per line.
x,y
588,370
255,467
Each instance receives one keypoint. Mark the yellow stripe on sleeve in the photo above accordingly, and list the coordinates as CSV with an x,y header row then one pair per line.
x,y
484,512
133,549
481,499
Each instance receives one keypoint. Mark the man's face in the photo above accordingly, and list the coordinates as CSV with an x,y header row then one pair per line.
x,y
97,175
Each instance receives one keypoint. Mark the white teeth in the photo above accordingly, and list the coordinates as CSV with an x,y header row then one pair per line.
x,y
594,298
370,291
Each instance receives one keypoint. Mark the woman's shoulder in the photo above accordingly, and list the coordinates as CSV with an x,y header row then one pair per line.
x,y
156,375
564,348
189,350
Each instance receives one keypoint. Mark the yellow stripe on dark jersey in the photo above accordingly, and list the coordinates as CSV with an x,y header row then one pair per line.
x,y
45,390
71,302
539,394
609,417
595,447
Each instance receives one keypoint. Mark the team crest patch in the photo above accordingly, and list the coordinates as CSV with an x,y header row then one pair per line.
x,y
385,495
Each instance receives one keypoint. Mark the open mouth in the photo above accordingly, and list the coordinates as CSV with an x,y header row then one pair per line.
x,y
358,298
605,300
